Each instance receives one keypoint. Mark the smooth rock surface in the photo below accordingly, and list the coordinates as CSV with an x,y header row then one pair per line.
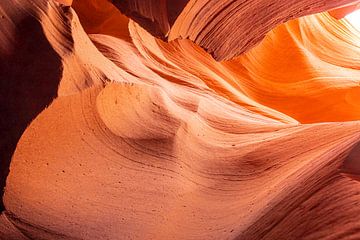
x,y
113,133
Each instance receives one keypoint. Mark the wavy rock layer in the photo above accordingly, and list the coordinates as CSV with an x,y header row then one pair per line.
x,y
124,136
225,28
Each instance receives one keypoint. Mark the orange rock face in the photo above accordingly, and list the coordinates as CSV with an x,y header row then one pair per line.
x,y
127,127
224,28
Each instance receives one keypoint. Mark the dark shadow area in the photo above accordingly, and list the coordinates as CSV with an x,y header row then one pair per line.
x,y
174,9
131,9
351,165
29,79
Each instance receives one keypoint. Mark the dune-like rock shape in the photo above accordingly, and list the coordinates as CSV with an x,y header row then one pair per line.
x,y
226,28
113,133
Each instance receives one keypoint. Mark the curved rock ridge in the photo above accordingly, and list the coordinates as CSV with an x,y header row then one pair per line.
x,y
341,12
227,28
116,134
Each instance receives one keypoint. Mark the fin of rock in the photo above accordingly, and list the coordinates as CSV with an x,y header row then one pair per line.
x,y
225,28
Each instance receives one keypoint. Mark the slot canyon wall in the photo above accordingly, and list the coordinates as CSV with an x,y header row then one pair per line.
x,y
186,119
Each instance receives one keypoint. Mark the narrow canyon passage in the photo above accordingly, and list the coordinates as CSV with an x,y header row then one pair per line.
x,y
145,119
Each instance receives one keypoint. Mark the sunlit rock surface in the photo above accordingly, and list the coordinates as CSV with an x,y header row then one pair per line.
x,y
118,128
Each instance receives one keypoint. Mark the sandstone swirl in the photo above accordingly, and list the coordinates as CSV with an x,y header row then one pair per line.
x,y
129,128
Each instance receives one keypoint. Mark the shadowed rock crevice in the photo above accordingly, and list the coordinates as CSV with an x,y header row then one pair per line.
x,y
351,165
155,16
29,78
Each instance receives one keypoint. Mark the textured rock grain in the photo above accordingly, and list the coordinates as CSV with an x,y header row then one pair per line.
x,y
114,133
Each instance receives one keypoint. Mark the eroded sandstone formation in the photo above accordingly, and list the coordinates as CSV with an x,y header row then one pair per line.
x,y
224,28
129,128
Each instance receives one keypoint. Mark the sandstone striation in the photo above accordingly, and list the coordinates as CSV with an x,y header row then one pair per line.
x,y
225,28
128,127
